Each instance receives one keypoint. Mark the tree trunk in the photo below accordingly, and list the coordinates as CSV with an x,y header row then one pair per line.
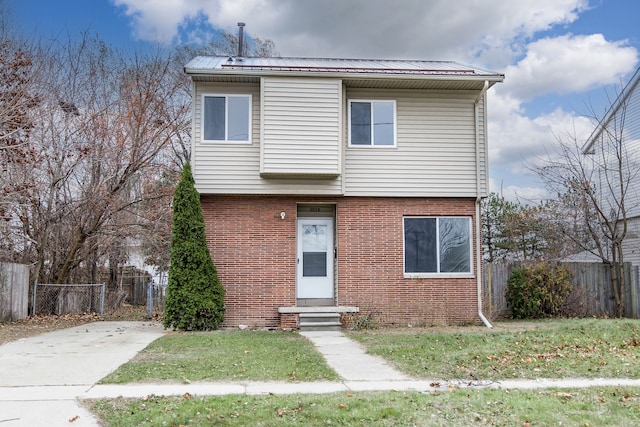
x,y
616,267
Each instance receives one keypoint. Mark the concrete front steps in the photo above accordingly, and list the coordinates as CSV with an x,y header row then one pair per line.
x,y
319,322
318,318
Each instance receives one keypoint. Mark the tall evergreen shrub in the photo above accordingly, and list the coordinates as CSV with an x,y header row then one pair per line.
x,y
195,297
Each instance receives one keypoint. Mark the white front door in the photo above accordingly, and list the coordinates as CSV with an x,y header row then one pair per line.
x,y
315,258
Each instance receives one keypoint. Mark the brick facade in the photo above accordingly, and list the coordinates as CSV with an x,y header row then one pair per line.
x,y
254,250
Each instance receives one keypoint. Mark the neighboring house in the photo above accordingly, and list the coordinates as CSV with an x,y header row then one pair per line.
x,y
334,185
620,130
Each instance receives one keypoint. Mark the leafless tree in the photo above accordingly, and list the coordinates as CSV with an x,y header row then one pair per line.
x,y
92,142
102,133
597,184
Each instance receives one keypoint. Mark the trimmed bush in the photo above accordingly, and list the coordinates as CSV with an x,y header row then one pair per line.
x,y
195,297
539,290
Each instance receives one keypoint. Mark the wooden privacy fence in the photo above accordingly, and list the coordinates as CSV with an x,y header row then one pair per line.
x,y
592,294
14,291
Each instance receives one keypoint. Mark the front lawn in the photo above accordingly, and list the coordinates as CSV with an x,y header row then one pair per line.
x,y
581,348
568,348
601,406
225,356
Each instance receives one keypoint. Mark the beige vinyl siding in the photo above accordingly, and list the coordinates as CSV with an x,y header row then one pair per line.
x,y
234,168
301,127
435,153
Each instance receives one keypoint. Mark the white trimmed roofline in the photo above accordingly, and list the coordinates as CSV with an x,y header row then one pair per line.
x,y
340,68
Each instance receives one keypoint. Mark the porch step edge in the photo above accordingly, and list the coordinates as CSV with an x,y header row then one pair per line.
x,y
320,324
323,315
320,309
315,328
321,329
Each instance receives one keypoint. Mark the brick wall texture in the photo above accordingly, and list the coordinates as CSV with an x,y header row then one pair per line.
x,y
254,250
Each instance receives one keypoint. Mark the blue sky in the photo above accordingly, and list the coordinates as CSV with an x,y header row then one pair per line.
x,y
560,57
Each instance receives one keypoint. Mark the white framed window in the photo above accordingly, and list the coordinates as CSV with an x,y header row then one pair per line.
x,y
372,123
437,246
226,118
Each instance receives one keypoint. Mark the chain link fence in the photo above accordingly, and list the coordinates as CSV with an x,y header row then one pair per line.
x,y
59,299
155,299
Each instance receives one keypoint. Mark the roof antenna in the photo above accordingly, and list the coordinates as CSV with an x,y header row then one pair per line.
x,y
240,39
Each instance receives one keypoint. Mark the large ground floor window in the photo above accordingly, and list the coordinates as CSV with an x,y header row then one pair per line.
x,y
437,245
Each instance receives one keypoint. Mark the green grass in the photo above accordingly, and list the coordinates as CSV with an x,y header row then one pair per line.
x,y
601,406
586,348
581,348
225,356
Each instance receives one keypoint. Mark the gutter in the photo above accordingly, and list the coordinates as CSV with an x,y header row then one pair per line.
x,y
478,210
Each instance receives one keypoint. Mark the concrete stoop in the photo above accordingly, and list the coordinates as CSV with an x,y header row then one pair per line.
x,y
320,322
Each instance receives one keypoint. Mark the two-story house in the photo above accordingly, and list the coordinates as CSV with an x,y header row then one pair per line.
x,y
614,149
331,186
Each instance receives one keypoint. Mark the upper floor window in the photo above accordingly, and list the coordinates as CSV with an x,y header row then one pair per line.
x,y
372,123
226,118
437,245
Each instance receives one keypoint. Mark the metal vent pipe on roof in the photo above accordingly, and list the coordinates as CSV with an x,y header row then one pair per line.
x,y
240,39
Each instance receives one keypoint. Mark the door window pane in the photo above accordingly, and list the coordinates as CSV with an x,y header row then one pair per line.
x,y
314,264
314,238
314,250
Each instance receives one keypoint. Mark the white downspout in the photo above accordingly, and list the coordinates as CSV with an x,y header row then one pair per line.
x,y
478,210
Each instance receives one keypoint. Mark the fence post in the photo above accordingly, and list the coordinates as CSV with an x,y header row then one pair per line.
x,y
35,292
102,300
490,287
149,300
635,270
632,284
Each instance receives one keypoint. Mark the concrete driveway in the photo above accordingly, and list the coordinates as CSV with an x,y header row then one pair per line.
x,y
41,376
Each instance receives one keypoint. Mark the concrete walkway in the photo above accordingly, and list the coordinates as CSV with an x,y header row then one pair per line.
x,y
43,378
350,360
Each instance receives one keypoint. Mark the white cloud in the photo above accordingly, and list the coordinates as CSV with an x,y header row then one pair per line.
x,y
158,20
567,64
437,29
517,141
